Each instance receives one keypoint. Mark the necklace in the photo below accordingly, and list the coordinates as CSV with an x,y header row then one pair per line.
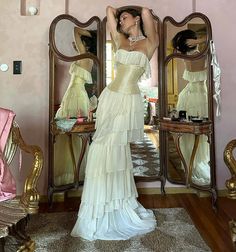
x,y
134,39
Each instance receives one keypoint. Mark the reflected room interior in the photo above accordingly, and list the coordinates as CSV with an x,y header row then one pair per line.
x,y
75,79
149,92
188,100
75,96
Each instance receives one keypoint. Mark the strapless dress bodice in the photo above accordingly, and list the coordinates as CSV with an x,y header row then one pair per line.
x,y
195,76
131,67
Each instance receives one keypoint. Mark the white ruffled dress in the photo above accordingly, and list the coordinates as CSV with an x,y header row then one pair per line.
x,y
109,209
194,100
74,101
194,97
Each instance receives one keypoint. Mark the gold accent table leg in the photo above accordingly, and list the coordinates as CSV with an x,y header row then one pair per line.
x,y
231,183
30,197
232,227
231,164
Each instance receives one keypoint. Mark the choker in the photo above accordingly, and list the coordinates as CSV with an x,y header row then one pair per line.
x,y
133,39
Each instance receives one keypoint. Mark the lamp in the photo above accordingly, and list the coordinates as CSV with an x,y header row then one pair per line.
x,y
32,10
4,67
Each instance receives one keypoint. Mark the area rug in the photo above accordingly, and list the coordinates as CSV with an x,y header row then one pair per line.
x,y
175,232
145,158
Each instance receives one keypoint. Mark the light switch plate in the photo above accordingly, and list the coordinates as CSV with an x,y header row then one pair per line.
x,y
17,67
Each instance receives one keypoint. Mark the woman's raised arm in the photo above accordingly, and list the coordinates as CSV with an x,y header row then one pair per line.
x,y
149,28
112,22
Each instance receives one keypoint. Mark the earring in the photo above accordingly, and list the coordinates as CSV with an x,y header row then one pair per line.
x,y
136,22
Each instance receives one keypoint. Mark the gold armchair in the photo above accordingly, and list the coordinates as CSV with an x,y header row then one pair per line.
x,y
14,212
231,183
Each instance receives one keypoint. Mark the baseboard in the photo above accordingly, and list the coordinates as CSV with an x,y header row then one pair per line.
x,y
59,197
177,190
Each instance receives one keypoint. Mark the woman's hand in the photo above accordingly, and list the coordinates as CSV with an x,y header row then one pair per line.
x,y
194,42
191,42
111,10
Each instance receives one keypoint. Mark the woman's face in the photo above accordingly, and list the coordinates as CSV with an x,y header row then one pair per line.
x,y
127,21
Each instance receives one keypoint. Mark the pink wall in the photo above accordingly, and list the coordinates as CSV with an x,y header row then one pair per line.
x,y
222,18
26,38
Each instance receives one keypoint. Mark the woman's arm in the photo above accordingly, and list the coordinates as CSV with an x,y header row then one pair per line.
x,y
78,44
112,22
150,28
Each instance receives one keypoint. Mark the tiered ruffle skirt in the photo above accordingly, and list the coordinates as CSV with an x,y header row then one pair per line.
x,y
109,209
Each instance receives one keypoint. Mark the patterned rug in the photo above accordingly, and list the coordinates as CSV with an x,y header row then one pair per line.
x,y
145,157
175,232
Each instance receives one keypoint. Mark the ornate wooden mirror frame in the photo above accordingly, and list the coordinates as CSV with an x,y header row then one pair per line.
x,y
163,58
173,129
60,59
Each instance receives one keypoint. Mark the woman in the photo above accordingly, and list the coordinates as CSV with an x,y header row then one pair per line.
x,y
75,103
109,209
194,100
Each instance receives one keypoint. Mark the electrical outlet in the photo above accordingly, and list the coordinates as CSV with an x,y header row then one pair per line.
x,y
17,67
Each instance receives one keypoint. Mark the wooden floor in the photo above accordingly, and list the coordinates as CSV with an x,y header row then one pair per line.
x,y
213,226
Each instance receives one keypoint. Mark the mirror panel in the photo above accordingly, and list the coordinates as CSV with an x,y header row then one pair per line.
x,y
188,99
66,36
149,89
68,81
75,95
75,79
180,73
188,91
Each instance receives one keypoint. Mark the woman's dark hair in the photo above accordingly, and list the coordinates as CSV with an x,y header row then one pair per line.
x,y
90,42
134,13
179,40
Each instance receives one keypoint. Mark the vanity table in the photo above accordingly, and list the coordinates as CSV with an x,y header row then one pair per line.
x,y
177,130
84,131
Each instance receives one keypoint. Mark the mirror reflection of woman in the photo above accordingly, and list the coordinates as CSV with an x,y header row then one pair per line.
x,y
109,209
193,99
75,103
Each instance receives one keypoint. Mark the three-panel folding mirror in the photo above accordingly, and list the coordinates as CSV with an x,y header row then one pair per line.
x,y
180,82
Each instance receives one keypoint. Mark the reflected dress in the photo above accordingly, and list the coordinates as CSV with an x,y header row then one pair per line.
x,y
194,100
74,101
109,209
